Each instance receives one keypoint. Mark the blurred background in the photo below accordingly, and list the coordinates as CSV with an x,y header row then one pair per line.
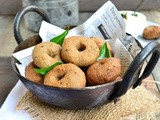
x,y
12,6
8,9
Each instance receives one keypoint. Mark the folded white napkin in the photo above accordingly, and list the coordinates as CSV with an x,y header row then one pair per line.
x,y
8,109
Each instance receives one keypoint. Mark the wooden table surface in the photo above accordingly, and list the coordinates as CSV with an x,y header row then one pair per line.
x,y
8,43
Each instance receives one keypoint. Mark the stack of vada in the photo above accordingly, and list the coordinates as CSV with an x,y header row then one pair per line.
x,y
76,52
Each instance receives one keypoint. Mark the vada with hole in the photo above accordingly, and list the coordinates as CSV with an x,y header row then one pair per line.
x,y
80,51
65,76
46,54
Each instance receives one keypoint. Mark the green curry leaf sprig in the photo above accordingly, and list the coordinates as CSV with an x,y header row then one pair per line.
x,y
60,38
45,70
124,15
104,52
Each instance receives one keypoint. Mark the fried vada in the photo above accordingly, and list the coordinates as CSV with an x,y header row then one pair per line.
x,y
151,32
103,71
30,74
100,42
65,76
80,51
46,54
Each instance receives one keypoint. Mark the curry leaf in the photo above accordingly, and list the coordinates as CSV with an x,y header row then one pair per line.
x,y
104,52
45,70
60,38
134,14
124,15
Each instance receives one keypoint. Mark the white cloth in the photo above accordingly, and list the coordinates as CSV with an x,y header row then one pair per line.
x,y
8,109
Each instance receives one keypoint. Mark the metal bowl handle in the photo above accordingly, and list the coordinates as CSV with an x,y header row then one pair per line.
x,y
132,76
19,16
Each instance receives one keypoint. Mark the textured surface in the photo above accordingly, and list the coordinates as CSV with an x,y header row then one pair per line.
x,y
130,107
61,13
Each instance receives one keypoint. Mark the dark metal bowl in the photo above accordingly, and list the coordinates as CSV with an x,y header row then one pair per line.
x,y
87,97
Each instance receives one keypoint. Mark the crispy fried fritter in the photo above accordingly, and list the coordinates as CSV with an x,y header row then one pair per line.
x,y
151,32
100,42
80,51
32,75
65,75
46,54
103,71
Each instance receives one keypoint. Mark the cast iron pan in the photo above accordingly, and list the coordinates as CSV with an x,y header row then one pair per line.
x,y
91,96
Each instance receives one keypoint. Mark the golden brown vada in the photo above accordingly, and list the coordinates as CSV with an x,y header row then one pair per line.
x,y
30,74
80,51
66,76
103,71
151,32
100,42
46,54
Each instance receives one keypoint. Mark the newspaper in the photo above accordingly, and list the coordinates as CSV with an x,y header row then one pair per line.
x,y
105,23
